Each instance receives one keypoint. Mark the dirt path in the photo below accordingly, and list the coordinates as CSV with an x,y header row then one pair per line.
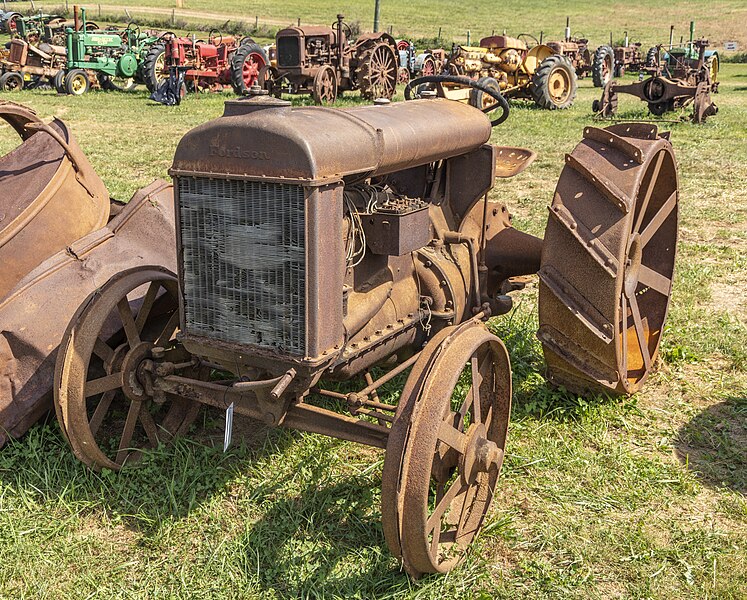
x,y
193,15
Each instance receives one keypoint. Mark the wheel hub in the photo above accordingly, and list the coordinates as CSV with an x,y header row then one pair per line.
x,y
132,376
633,265
480,454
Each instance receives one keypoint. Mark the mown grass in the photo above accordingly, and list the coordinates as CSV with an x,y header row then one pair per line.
x,y
642,497
647,21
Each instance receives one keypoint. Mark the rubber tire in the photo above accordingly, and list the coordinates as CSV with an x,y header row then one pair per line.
x,y
651,55
150,77
107,84
58,81
237,65
6,82
540,82
602,55
70,77
476,96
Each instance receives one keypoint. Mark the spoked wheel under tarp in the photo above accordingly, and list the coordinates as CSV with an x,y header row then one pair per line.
x,y
608,260
446,448
104,399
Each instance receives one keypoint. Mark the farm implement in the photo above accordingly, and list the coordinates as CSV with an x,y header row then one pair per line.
x,y
677,78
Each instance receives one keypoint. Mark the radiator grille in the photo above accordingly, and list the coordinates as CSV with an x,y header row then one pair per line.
x,y
244,261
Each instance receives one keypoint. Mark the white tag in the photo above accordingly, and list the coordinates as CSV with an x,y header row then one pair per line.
x,y
229,428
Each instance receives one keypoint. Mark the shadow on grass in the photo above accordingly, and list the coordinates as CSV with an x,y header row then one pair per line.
x,y
168,482
325,539
714,444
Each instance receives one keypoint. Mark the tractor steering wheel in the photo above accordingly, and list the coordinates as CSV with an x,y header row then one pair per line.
x,y
529,36
211,37
501,102
132,29
345,29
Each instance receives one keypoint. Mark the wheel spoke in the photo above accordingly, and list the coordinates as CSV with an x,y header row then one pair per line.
x,y
101,409
129,430
469,498
125,314
656,281
454,490
658,220
476,383
149,425
103,384
624,335
640,333
168,331
649,192
103,350
150,298
452,436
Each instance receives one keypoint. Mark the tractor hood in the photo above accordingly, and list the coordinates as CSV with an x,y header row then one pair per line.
x,y
266,138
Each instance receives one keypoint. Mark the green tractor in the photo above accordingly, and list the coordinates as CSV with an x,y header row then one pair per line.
x,y
109,60
686,54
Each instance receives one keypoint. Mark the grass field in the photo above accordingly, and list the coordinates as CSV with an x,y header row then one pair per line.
x,y
644,497
647,21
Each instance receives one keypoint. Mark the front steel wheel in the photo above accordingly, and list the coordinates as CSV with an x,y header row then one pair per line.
x,y
446,449
103,390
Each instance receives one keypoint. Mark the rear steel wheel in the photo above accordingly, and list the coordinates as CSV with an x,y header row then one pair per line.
x,y
377,73
446,449
608,260
103,397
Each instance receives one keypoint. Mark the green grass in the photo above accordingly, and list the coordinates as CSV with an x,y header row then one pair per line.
x,y
643,497
647,21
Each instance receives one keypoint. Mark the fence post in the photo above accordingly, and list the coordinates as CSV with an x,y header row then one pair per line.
x,y
173,16
256,22
299,21
469,38
439,36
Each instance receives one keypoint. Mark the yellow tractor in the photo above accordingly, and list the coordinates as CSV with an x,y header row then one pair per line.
x,y
511,66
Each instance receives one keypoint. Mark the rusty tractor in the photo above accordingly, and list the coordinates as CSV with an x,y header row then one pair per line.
x,y
616,60
212,65
509,66
418,64
28,65
575,50
324,62
314,244
675,81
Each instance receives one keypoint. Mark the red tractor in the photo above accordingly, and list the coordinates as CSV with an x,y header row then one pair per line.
x,y
210,66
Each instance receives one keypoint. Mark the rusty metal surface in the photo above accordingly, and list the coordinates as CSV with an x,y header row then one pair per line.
x,y
608,260
51,195
283,287
456,440
301,143
35,313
